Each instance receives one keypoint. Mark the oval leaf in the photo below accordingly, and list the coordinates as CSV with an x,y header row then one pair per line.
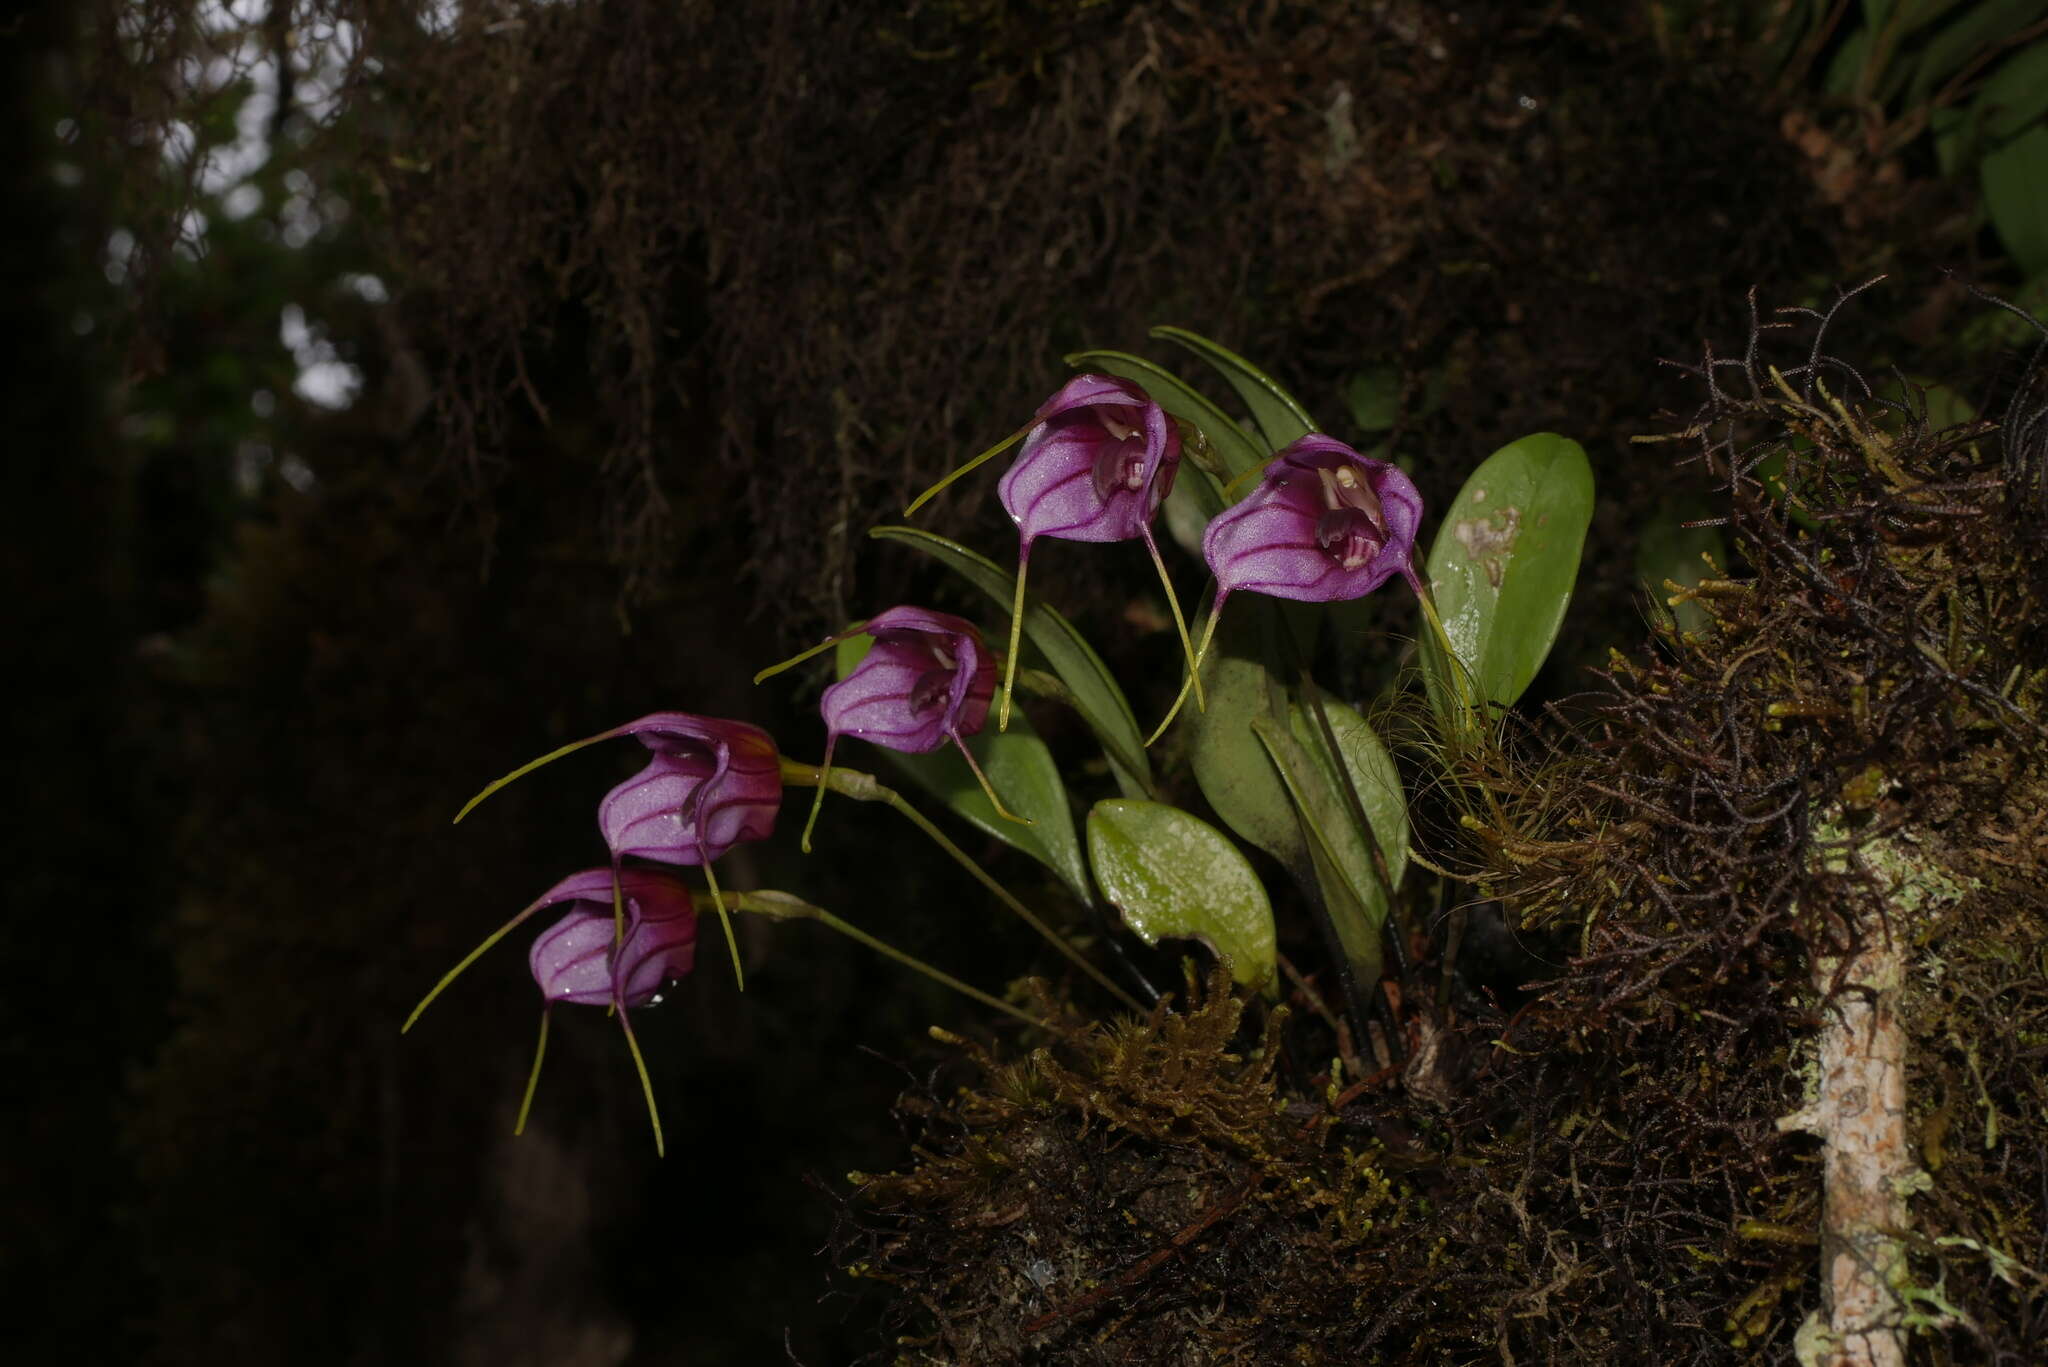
x,y
1021,770
1504,563
1174,876
1233,446
1097,698
1279,417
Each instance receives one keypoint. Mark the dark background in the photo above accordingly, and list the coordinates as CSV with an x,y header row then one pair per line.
x,y
671,303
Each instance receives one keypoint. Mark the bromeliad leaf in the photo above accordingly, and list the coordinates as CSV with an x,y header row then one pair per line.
x,y
1279,417
1238,451
1174,876
1098,699
1021,770
1503,566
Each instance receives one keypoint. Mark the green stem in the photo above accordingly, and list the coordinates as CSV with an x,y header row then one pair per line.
x,y
783,907
864,787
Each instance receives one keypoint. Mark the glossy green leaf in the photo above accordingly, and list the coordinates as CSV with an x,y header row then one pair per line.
x,y
1503,566
1174,876
1230,764
1021,770
1279,417
2016,193
1098,699
1232,444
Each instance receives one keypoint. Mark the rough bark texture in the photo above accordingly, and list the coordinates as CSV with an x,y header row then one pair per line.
x,y
1859,1115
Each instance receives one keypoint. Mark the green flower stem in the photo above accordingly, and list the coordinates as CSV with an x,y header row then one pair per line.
x,y
783,907
867,788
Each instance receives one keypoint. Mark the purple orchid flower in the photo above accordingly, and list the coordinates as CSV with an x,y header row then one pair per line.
x,y
626,933
1325,525
1095,467
927,679
584,959
711,784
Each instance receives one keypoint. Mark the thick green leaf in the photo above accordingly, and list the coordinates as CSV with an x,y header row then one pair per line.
x,y
1353,900
2016,192
1021,770
1232,444
1097,697
1174,876
1279,417
1229,762
1369,767
1504,563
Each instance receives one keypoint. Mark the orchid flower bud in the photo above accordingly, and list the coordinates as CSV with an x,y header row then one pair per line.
x,y
584,960
1096,467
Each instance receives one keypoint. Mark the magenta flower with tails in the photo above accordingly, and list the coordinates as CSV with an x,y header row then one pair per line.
x,y
710,784
590,959
1098,459
1324,525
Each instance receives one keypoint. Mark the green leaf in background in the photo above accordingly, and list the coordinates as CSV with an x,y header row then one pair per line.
x,y
1019,767
1374,397
1957,42
1670,550
1174,876
1230,763
1503,566
1279,417
2017,96
2016,193
1097,698
1233,445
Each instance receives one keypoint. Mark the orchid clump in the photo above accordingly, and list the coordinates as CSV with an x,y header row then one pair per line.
x,y
1284,765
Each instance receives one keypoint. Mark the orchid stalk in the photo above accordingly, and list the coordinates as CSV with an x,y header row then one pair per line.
x,y
867,788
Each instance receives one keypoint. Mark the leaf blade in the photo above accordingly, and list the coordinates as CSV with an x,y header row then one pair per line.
x,y
1504,563
1172,875
1280,417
